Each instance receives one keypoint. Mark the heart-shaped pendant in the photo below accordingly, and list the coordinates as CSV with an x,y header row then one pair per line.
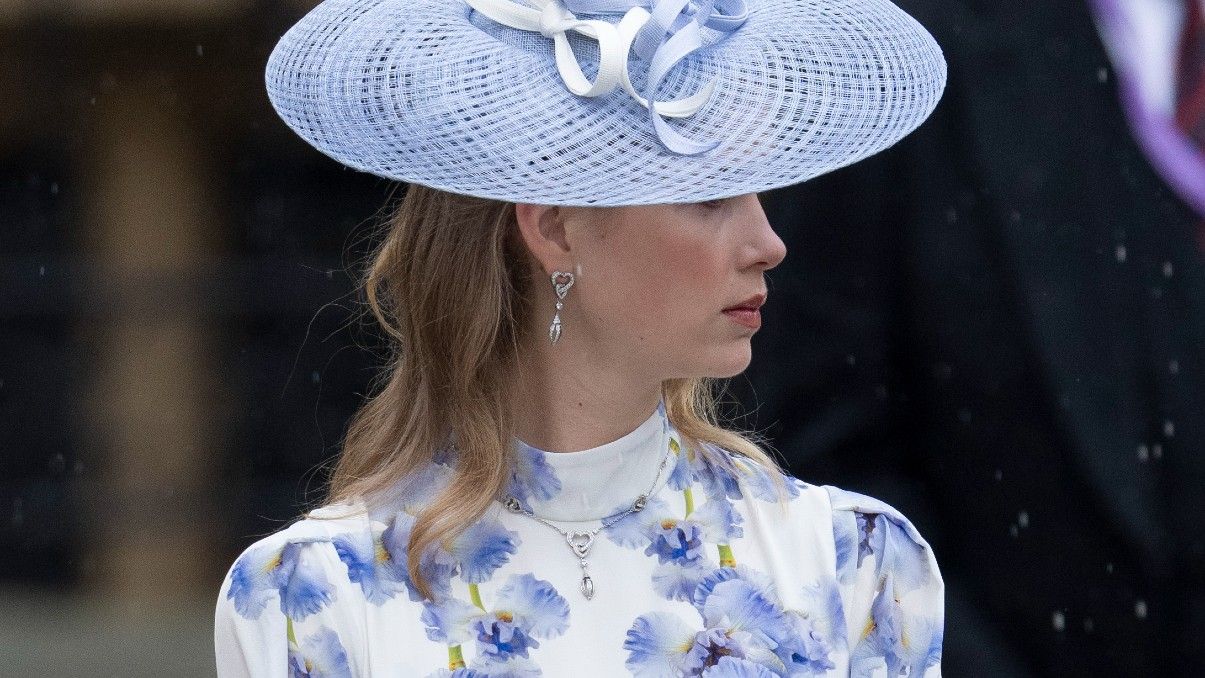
x,y
562,288
580,542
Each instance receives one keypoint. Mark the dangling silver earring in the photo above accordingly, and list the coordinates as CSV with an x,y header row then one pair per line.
x,y
562,288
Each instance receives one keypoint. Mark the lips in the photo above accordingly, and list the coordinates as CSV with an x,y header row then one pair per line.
x,y
751,304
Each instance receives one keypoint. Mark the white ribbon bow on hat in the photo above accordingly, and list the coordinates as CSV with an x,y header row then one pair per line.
x,y
670,34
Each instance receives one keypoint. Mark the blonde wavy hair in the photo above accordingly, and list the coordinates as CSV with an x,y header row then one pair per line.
x,y
450,284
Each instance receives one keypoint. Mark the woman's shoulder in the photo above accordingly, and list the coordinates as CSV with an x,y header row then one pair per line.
x,y
861,524
869,530
857,512
296,564
319,525
291,599
889,576
751,479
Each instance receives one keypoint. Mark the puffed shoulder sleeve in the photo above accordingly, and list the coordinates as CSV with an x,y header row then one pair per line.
x,y
286,607
891,589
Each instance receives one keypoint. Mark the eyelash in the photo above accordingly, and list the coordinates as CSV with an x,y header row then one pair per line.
x,y
714,204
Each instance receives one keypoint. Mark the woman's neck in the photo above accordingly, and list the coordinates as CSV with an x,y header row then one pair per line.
x,y
564,402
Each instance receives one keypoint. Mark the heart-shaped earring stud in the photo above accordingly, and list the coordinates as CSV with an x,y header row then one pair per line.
x,y
562,288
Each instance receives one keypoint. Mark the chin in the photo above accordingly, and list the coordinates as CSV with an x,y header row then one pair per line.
x,y
731,362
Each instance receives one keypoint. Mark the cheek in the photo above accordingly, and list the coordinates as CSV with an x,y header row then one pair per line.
x,y
669,289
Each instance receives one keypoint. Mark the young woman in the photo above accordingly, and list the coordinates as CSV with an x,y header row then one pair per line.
x,y
540,485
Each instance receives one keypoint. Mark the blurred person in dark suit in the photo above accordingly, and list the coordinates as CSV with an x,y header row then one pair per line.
x,y
999,327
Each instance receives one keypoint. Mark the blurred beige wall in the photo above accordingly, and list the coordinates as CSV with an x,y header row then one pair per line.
x,y
173,11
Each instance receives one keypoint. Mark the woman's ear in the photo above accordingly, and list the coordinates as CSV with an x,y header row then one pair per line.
x,y
542,228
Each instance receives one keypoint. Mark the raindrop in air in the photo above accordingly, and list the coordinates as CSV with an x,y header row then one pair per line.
x,y
1157,450
1102,75
1140,608
1023,519
998,475
1088,625
1058,621
1169,429
1144,452
1173,366
1109,568
1120,253
1167,269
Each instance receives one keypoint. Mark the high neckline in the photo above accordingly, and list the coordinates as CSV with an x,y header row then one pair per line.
x,y
590,484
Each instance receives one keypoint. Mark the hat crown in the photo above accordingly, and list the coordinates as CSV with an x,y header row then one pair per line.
x,y
433,92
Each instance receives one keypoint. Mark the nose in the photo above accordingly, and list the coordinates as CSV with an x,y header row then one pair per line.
x,y
768,249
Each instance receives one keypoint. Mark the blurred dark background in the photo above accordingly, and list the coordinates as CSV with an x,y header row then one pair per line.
x,y
997,326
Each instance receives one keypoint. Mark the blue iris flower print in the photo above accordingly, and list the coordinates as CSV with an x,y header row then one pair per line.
x,y
379,565
759,480
458,673
527,608
659,531
680,544
511,667
531,475
741,619
378,562
676,541
875,527
370,565
320,656
903,628
738,621
731,667
450,621
283,570
746,475
481,549
818,625
900,632
418,489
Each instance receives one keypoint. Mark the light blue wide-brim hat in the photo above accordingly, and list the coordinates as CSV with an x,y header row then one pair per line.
x,y
545,101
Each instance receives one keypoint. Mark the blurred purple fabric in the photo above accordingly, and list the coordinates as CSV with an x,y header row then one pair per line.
x,y
1146,40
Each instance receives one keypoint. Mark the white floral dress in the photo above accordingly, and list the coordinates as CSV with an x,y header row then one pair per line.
x,y
712,578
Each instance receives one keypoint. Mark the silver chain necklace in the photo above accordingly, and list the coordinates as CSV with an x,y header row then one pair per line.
x,y
580,542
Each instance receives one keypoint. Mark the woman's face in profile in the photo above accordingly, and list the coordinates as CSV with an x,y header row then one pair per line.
x,y
655,280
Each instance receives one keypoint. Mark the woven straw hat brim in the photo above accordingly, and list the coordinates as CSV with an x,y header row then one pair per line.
x,y
431,92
